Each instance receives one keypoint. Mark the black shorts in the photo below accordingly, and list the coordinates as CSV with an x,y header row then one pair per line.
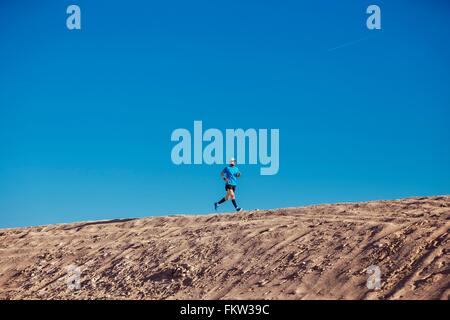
x,y
229,186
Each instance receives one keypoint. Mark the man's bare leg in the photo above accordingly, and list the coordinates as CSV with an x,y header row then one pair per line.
x,y
233,199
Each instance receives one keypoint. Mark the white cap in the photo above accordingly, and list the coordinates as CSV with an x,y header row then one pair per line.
x,y
232,160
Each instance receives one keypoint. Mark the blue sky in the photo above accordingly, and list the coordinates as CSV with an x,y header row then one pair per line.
x,y
86,115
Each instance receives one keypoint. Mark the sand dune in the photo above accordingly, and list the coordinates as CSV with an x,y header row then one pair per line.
x,y
315,252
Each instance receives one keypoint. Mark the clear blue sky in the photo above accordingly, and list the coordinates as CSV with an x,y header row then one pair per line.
x,y
86,116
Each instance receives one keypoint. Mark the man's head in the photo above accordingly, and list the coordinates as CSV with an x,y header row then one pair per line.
x,y
232,162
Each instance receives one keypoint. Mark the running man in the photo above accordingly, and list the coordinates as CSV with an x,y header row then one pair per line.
x,y
230,174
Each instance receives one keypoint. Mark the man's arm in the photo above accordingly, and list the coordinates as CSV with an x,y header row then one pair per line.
x,y
222,175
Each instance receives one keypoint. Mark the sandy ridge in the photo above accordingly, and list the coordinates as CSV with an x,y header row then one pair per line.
x,y
315,252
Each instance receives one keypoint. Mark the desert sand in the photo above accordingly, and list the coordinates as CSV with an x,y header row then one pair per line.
x,y
314,252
